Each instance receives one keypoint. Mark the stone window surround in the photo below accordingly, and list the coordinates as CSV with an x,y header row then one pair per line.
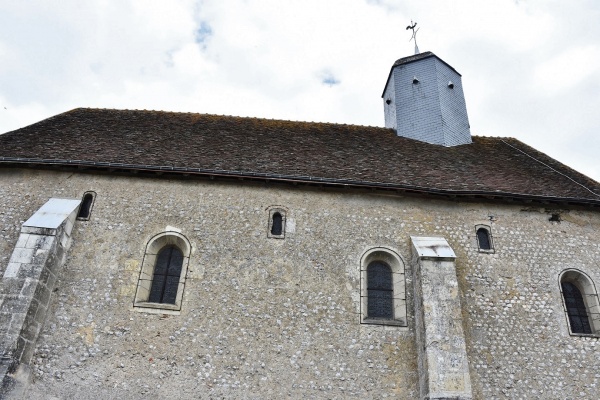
x,y
91,192
490,238
171,236
590,297
283,212
396,262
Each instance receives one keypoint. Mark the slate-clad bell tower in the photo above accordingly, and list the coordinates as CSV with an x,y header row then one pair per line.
x,y
423,99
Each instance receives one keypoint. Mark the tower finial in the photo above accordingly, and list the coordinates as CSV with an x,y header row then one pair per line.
x,y
414,34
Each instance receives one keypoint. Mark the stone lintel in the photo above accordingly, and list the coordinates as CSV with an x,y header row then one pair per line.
x,y
443,363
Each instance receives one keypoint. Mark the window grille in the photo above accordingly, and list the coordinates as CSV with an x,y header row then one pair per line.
x,y
163,273
576,309
382,288
380,291
167,272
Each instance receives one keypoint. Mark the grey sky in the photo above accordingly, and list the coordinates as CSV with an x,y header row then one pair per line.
x,y
531,68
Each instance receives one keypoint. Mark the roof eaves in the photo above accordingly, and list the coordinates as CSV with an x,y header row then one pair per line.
x,y
133,168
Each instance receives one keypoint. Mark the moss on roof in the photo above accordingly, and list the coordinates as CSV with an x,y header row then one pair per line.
x,y
302,150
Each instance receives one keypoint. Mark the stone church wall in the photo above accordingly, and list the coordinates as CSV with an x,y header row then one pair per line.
x,y
271,318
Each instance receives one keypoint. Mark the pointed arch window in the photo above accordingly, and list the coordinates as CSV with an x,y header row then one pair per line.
x,y
85,209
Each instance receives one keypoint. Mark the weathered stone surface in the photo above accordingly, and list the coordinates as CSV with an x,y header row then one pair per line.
x,y
272,318
443,362
24,291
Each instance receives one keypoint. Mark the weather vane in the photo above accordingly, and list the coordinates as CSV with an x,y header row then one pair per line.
x,y
414,34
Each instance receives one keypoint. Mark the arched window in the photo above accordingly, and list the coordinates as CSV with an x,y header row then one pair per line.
x,y
380,291
163,273
166,275
484,238
85,208
276,226
277,218
383,288
580,302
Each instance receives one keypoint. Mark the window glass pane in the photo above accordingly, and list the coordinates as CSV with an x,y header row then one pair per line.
x,y
170,294
277,227
380,291
483,238
380,304
379,276
158,283
162,261
167,272
576,310
86,205
175,263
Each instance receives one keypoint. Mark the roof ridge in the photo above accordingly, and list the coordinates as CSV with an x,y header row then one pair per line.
x,y
221,115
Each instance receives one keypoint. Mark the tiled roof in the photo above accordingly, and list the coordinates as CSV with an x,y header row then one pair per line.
x,y
293,151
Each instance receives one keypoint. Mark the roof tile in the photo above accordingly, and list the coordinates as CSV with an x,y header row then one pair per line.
x,y
324,151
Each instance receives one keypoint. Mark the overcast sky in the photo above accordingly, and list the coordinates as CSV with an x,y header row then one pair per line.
x,y
531,68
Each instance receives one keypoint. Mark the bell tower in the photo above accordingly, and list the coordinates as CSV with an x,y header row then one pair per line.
x,y
423,99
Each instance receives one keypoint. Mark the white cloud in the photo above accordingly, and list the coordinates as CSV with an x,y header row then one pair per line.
x,y
268,58
568,69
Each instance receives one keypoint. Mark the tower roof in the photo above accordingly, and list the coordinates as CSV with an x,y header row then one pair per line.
x,y
413,58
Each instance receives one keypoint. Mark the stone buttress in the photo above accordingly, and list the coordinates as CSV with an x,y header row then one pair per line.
x,y
27,285
443,364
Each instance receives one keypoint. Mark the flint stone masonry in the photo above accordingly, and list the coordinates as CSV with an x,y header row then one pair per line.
x,y
270,319
443,362
27,285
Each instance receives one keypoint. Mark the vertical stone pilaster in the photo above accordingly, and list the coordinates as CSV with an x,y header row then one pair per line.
x,y
27,285
443,363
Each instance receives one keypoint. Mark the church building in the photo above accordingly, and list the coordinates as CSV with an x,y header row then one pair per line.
x,y
181,256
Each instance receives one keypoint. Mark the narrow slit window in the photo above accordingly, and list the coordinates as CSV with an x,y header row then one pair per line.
x,y
277,226
277,220
483,239
380,291
576,309
167,272
86,206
